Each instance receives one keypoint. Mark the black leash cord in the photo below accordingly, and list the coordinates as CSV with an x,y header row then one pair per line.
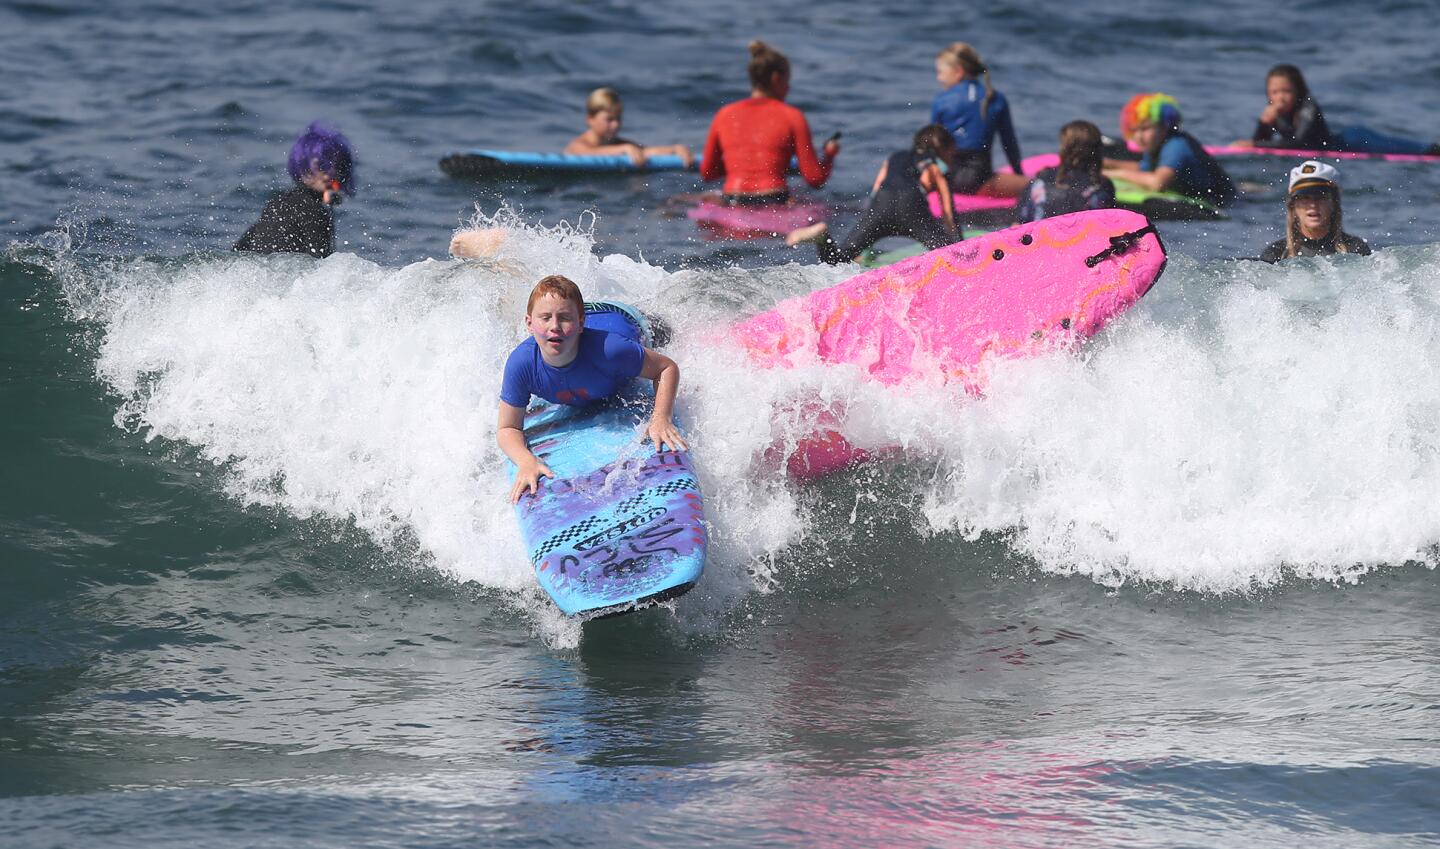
x,y
1120,244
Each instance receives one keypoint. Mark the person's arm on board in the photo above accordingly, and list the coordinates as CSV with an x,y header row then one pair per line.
x,y
579,146
510,433
1159,180
686,157
666,373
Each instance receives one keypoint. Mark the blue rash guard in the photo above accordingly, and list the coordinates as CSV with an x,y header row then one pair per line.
x,y
957,109
606,362
1193,176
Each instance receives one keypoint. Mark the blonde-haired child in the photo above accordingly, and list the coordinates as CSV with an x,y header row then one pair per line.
x,y
973,111
603,115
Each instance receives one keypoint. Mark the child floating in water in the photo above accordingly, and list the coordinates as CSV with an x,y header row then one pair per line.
x,y
899,205
1077,184
299,219
1292,119
566,362
1312,217
603,115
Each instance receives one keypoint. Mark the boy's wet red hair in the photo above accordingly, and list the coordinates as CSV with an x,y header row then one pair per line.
x,y
559,286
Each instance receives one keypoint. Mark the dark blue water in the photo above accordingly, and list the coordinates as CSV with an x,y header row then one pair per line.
x,y
258,586
164,127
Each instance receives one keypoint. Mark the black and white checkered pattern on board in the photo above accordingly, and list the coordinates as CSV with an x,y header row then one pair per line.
x,y
589,524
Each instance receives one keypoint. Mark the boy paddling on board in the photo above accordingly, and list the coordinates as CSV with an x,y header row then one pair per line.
x,y
566,362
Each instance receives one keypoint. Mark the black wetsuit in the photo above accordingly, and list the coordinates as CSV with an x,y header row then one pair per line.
x,y
294,221
1306,130
899,207
1046,198
973,169
1317,247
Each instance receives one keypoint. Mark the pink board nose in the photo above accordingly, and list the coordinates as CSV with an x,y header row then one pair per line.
x,y
942,315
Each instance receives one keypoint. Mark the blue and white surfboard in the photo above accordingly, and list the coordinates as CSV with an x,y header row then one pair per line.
x,y
620,526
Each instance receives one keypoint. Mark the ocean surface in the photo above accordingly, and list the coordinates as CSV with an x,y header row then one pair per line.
x,y
259,585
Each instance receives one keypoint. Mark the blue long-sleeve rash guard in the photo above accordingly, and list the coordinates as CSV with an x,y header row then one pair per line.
x,y
958,109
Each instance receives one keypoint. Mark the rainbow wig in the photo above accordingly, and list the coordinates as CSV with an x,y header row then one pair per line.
x,y
326,149
1155,108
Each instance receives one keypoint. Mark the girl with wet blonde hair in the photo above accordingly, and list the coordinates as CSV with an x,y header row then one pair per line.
x,y
973,111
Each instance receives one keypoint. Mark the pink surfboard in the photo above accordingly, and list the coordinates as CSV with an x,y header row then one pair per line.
x,y
1167,205
756,222
942,316
1234,150
984,203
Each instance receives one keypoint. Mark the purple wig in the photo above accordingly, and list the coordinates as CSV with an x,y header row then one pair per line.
x,y
329,151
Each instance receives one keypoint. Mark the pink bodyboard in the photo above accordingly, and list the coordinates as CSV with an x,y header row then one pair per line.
x,y
942,316
756,222
984,203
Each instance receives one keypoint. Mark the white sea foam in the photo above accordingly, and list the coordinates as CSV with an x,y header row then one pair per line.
x,y
1245,423
344,390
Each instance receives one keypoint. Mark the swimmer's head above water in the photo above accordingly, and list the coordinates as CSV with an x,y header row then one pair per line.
x,y
322,159
604,114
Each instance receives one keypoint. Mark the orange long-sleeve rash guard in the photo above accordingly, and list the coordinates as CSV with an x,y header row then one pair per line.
x,y
751,142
